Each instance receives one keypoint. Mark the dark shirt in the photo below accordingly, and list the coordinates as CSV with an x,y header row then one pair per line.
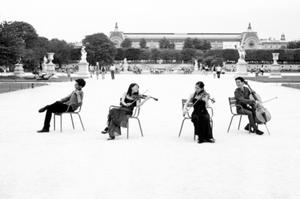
x,y
242,97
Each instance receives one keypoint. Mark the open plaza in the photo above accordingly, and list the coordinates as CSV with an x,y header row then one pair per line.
x,y
83,164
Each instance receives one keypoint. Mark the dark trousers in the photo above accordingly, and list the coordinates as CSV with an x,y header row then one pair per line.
x,y
202,126
112,73
250,112
218,74
57,107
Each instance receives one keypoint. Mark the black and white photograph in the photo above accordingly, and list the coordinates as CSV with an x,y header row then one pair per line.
x,y
149,99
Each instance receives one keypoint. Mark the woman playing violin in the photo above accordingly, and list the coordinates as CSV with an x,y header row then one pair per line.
x,y
246,105
200,116
120,115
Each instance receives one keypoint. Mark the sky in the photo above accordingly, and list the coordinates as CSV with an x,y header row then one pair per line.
x,y
72,20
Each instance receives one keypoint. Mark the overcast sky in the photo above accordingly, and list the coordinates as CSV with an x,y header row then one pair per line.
x,y
72,20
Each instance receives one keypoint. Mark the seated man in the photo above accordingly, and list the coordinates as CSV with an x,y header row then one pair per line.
x,y
242,96
67,104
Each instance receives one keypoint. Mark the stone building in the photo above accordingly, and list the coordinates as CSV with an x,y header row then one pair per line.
x,y
248,39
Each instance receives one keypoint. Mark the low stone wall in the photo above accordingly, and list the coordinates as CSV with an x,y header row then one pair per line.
x,y
267,67
14,86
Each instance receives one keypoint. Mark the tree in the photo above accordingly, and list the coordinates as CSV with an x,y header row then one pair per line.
x,y
99,49
188,54
120,55
143,43
126,43
132,53
196,44
293,44
145,54
164,43
62,51
188,43
155,53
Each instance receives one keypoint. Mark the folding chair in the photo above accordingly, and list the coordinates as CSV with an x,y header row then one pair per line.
x,y
188,116
135,115
76,112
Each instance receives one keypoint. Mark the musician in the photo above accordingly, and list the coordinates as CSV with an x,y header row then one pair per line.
x,y
67,104
200,116
118,116
242,96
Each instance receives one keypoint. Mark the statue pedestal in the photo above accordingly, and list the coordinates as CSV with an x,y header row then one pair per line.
x,y
50,68
83,69
241,69
19,70
275,71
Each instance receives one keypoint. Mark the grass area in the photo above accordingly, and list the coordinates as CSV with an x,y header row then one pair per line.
x,y
30,79
283,79
14,86
297,86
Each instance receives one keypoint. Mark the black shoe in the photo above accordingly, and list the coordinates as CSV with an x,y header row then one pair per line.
x,y
43,109
43,131
258,132
200,141
111,138
212,140
247,127
105,130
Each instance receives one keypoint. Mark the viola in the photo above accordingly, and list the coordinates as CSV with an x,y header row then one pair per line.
x,y
261,113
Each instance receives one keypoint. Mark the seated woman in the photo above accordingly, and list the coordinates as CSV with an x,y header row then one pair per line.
x,y
120,115
67,104
200,116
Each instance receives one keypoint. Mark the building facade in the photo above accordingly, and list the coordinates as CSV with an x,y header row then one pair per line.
x,y
248,39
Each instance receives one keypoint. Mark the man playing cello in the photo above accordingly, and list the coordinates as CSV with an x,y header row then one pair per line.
x,y
246,105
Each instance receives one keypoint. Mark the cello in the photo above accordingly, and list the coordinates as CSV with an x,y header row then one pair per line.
x,y
261,113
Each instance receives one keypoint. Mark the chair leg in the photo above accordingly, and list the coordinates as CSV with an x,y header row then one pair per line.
x,y
128,128
181,126
81,122
140,126
54,121
61,123
72,120
267,128
240,122
230,124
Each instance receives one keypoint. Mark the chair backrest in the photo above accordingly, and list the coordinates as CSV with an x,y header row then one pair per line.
x,y
232,105
209,109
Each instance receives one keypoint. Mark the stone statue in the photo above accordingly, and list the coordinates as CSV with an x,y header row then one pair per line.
x,y
242,53
83,54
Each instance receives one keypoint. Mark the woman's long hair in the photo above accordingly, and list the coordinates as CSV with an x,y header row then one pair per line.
x,y
129,91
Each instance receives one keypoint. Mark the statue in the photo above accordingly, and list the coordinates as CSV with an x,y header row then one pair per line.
x,y
83,54
242,53
45,60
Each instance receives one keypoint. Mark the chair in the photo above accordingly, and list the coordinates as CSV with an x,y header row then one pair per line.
x,y
233,106
76,112
188,116
135,115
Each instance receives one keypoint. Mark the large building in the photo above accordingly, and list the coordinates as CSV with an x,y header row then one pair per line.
x,y
248,39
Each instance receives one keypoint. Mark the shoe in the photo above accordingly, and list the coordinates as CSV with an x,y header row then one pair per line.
x,y
247,127
105,131
212,140
43,109
111,138
200,141
258,132
43,131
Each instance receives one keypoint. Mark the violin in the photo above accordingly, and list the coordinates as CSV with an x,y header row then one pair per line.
x,y
261,113
141,96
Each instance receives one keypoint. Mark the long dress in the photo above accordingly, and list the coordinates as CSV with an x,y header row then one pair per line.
x,y
201,120
118,117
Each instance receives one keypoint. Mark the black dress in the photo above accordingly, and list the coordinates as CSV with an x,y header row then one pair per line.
x,y
118,117
201,119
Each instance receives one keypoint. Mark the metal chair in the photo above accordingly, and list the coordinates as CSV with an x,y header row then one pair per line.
x,y
188,116
135,115
76,112
233,106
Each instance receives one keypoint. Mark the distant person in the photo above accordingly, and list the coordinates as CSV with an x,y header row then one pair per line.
x,y
112,69
218,70
262,70
67,104
103,71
